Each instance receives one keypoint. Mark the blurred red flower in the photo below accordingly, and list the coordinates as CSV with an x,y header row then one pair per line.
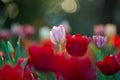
x,y
116,41
28,30
70,67
78,69
41,57
10,73
77,44
109,65
118,59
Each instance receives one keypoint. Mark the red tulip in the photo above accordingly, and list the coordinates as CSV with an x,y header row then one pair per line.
x,y
4,34
116,41
109,65
76,45
118,59
10,73
28,30
41,57
69,67
78,69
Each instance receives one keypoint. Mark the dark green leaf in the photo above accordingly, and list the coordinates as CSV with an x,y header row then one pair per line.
x,y
24,63
51,76
17,51
5,51
1,62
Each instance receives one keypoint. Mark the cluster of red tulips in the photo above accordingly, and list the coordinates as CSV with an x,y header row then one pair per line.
x,y
62,57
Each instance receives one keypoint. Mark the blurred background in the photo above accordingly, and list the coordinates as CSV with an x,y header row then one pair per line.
x,y
80,15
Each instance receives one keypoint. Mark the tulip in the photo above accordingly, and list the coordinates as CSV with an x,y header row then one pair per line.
x,y
116,41
28,30
70,68
76,45
10,47
10,73
99,41
76,68
57,34
4,34
118,59
99,29
41,57
109,65
16,30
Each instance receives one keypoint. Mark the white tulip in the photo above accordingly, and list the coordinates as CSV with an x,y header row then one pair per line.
x,y
57,34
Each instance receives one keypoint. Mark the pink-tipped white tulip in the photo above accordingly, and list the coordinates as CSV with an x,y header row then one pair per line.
x,y
57,34
99,41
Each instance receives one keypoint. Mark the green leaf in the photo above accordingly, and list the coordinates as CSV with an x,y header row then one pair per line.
x,y
108,78
117,76
18,51
24,63
42,76
10,47
100,76
1,62
51,76
5,51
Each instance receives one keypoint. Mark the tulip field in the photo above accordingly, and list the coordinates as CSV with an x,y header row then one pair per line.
x,y
61,55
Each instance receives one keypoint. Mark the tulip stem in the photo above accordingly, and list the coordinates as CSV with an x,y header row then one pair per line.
x,y
59,47
114,77
99,55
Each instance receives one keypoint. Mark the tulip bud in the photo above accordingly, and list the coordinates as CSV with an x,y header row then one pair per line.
x,y
57,34
99,41
10,47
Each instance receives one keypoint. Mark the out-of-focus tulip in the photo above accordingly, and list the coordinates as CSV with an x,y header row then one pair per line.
x,y
76,45
78,69
116,41
16,30
110,30
109,65
99,41
41,57
70,68
99,29
57,34
28,30
118,59
10,73
4,34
